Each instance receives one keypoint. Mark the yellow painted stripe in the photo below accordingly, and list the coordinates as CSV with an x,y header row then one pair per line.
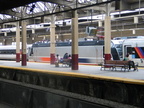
x,y
80,75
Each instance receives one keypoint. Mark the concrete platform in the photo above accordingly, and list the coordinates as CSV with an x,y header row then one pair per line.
x,y
83,69
41,81
4,105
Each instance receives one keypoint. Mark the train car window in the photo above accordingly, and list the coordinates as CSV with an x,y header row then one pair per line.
x,y
129,50
44,45
100,42
63,44
46,25
80,43
131,37
90,43
35,45
8,52
2,52
14,52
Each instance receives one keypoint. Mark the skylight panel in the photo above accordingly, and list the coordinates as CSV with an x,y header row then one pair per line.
x,y
41,5
4,16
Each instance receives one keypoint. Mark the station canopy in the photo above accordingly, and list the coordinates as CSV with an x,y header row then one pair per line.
x,y
40,11
12,10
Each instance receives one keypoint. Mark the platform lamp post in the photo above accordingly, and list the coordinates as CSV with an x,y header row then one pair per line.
x,y
17,42
107,33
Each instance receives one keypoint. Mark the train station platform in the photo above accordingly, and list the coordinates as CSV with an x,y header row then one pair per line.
x,y
83,69
44,85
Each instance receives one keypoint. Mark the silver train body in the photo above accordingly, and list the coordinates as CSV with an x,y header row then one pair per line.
x,y
8,52
88,51
133,46
91,52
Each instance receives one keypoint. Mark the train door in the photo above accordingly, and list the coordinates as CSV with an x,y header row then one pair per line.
x,y
115,54
127,50
32,54
29,53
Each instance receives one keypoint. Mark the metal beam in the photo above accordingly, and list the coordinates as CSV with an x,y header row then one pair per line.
x,y
68,10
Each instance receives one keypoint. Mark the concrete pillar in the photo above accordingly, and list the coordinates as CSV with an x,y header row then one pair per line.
x,y
107,35
136,20
33,31
99,23
17,42
74,40
5,33
52,40
24,49
4,39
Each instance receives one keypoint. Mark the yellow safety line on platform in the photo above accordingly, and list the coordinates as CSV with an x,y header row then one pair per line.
x,y
97,77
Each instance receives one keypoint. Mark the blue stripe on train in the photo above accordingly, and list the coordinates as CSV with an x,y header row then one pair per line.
x,y
83,60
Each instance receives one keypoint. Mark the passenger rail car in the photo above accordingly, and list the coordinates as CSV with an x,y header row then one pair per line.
x,y
8,52
89,51
135,47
